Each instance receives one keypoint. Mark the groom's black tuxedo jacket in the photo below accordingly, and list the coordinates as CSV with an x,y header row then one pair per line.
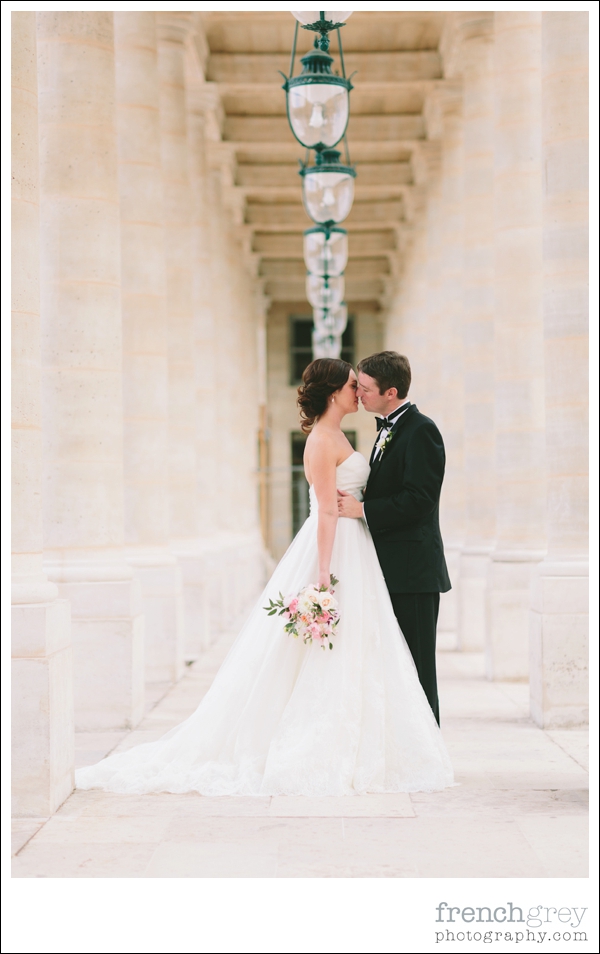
x,y
402,507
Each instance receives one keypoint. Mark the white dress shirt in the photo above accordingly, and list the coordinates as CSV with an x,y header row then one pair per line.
x,y
393,417
395,414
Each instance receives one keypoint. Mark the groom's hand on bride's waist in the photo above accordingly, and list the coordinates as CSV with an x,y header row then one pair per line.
x,y
349,506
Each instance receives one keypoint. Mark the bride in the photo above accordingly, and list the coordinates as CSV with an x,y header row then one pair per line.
x,y
285,718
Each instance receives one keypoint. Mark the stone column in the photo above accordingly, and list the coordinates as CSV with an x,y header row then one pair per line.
x,y
173,29
451,379
471,58
201,611
262,308
83,363
519,361
230,300
444,331
559,621
145,345
409,324
42,678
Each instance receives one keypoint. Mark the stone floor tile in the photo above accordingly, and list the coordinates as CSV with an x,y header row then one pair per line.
x,y
233,807
457,665
475,700
154,692
320,833
341,851
304,869
537,780
518,692
76,804
99,829
361,806
208,860
82,861
109,804
462,801
560,842
439,848
139,736
22,830
92,747
182,806
575,742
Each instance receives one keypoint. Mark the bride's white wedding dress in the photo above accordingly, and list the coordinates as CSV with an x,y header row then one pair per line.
x,y
283,718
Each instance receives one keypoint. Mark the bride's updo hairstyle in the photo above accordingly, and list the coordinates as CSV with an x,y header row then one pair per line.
x,y
320,380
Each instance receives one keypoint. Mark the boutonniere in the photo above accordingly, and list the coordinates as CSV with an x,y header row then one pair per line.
x,y
381,445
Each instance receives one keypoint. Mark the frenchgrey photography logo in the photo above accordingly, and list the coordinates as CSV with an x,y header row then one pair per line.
x,y
512,924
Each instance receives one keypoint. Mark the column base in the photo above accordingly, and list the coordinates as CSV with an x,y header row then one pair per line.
x,y
43,753
222,573
474,564
559,644
507,614
161,588
108,642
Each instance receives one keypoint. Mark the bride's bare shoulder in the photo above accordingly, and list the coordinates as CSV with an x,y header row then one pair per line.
x,y
320,454
321,444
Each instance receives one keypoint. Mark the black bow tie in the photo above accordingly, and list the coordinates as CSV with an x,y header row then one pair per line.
x,y
385,422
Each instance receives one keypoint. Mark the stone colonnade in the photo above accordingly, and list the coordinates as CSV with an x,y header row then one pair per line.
x,y
136,331
492,308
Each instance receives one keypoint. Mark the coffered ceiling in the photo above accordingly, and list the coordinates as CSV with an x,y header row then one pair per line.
x,y
397,64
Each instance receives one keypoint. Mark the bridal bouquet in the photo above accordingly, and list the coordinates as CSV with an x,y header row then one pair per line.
x,y
311,615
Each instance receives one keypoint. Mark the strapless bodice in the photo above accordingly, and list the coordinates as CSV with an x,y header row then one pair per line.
x,y
351,475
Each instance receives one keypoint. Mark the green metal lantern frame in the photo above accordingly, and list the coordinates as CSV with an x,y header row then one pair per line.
x,y
321,26
317,71
327,231
327,160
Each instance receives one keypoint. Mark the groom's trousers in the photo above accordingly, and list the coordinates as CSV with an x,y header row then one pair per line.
x,y
417,615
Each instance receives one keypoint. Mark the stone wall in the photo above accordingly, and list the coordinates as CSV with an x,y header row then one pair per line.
x,y
136,330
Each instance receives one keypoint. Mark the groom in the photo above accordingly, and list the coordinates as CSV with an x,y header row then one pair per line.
x,y
401,507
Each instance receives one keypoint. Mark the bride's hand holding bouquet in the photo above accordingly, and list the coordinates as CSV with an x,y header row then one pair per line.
x,y
312,614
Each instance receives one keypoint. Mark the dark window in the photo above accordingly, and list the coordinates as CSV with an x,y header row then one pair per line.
x,y
301,345
300,501
300,504
348,345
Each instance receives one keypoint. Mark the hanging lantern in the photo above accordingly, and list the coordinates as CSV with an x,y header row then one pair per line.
x,y
325,250
326,346
318,107
324,21
332,322
328,188
325,292
318,103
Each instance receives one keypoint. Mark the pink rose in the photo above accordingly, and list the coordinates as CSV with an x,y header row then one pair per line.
x,y
293,604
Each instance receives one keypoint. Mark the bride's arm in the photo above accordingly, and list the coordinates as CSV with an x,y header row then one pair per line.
x,y
322,469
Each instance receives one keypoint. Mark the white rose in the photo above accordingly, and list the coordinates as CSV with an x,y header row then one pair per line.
x,y
305,604
327,601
